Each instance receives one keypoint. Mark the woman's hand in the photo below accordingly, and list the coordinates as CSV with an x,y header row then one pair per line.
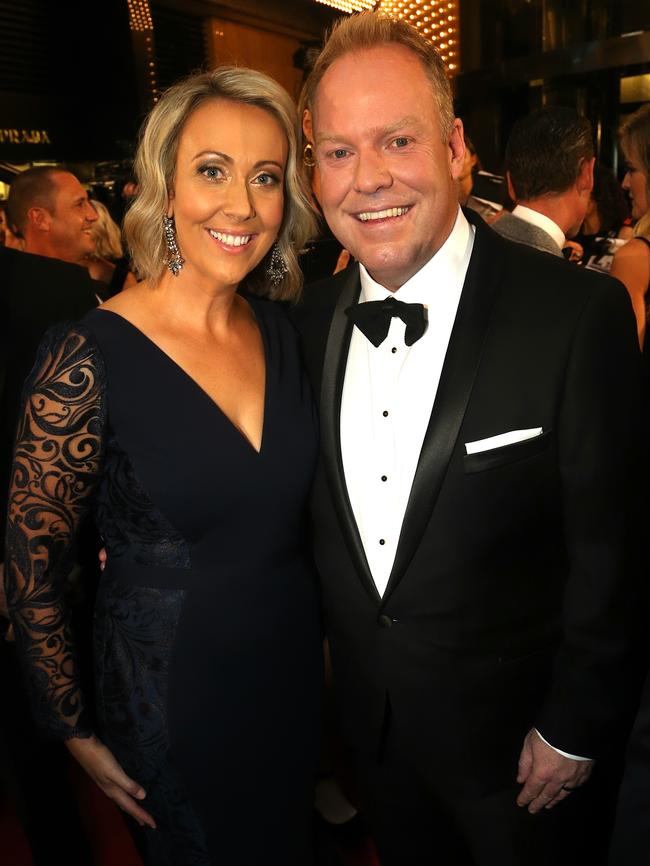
x,y
104,770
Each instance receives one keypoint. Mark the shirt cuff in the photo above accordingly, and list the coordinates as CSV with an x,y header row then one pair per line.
x,y
559,751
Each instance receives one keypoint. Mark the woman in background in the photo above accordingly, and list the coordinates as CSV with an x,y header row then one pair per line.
x,y
631,263
108,264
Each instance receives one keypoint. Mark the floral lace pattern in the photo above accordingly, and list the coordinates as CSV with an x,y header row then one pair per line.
x,y
56,467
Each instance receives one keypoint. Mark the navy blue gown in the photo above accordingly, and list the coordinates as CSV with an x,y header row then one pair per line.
x,y
208,658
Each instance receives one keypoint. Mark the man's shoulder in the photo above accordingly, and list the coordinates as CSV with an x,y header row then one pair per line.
x,y
318,301
37,288
516,229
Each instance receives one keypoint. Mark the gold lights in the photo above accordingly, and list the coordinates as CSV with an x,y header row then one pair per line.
x,y
349,5
141,24
435,19
140,15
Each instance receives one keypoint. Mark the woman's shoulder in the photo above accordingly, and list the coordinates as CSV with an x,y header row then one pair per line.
x,y
635,248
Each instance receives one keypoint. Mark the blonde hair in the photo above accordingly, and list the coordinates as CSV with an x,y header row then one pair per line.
x,y
107,233
368,30
635,131
155,164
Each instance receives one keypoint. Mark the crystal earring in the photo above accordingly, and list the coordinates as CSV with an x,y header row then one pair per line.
x,y
277,269
174,259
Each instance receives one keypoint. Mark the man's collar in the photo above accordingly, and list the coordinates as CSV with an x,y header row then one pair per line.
x,y
534,217
448,259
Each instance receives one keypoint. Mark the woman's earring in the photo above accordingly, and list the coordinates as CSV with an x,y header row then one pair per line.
x,y
174,259
277,269
308,155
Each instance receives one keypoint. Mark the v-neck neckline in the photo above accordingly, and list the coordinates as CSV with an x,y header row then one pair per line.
x,y
201,389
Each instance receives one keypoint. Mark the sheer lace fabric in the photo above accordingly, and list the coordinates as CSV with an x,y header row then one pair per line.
x,y
58,457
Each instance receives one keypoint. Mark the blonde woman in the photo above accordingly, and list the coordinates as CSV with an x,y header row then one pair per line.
x,y
179,412
631,263
107,263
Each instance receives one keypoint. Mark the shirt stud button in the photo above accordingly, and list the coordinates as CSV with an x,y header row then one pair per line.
x,y
382,541
393,350
385,413
384,477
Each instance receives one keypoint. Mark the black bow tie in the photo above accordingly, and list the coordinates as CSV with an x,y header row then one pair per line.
x,y
373,319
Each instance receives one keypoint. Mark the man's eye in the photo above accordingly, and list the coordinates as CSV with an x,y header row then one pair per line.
x,y
401,141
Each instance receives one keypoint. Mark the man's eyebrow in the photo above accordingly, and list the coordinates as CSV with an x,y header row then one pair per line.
x,y
402,123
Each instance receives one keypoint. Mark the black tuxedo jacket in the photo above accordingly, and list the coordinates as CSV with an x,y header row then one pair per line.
x,y
502,608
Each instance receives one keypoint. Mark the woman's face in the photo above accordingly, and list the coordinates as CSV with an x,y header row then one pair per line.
x,y
636,182
228,193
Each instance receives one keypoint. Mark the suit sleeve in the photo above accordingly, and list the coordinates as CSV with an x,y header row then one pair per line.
x,y
599,446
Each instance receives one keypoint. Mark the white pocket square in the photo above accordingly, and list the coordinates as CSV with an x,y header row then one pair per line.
x,y
502,439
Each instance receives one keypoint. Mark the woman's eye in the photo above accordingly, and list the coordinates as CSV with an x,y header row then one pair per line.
x,y
267,179
212,172
339,153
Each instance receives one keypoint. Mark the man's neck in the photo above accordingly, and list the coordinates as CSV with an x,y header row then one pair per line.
x,y
557,208
46,250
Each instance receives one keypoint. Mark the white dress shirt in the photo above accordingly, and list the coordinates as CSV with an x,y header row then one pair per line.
x,y
534,217
388,396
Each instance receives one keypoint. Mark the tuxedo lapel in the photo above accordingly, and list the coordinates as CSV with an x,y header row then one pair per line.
x,y
336,353
456,381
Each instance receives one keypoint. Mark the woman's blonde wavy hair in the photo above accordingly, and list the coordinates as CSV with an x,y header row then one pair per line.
x,y
635,131
155,164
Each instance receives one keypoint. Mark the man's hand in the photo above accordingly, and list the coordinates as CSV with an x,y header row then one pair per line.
x,y
4,611
547,777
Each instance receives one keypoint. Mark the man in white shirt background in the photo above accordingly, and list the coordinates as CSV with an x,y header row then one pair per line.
x,y
550,175
478,404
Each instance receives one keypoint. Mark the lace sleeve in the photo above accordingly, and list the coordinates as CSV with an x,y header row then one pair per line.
x,y
57,458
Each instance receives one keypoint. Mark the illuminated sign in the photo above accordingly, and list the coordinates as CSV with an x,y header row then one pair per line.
x,y
24,136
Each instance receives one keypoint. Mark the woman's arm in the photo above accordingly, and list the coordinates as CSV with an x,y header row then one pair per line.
x,y
57,463
631,265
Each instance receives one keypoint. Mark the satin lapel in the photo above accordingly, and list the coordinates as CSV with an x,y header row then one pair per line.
x,y
458,373
336,354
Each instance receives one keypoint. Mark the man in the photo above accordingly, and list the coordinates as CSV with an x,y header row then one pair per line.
x,y
550,175
50,210
39,287
469,507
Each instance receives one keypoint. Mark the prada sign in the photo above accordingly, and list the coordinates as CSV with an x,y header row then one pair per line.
x,y
25,136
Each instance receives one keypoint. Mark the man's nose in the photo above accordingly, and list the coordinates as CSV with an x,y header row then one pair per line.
x,y
91,214
239,202
372,172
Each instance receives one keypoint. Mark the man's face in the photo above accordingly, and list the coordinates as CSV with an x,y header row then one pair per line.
x,y
387,178
70,222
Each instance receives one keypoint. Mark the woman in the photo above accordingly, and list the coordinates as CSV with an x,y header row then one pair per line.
x,y
599,236
180,409
108,263
631,263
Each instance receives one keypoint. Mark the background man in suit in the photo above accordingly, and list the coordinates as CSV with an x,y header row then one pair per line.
x,y
38,288
550,175
469,507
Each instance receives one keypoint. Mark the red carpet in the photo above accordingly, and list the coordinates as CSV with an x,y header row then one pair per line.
x,y
110,841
